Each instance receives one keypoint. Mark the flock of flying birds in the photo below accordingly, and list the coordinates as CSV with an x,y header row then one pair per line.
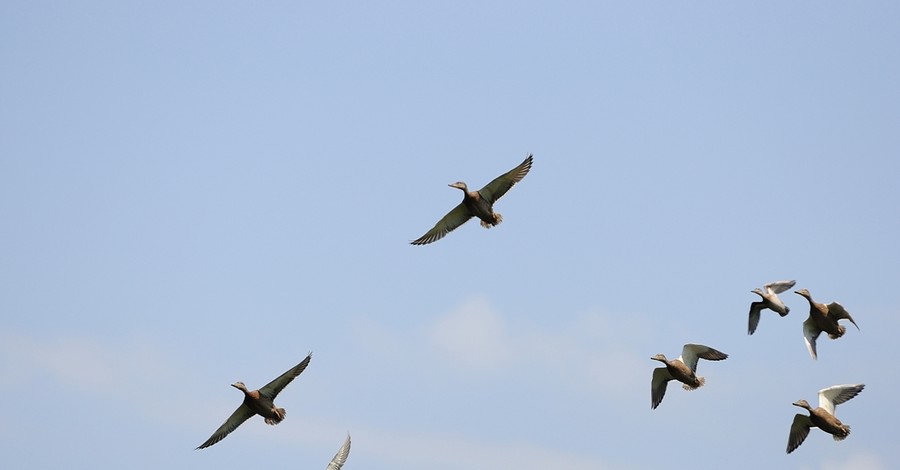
x,y
822,318
262,401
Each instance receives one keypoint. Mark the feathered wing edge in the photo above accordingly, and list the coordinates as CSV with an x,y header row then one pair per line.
x,y
241,414
501,184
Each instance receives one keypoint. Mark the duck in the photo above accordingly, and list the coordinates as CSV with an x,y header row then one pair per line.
x,y
822,417
823,318
338,461
258,402
476,204
682,369
770,300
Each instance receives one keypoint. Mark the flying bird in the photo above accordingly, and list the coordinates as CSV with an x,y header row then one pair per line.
x,y
822,417
338,461
476,204
257,402
769,301
823,318
682,369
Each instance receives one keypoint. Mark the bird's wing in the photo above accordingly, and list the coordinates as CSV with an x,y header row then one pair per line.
x,y
494,190
810,333
241,414
273,388
831,397
778,287
338,461
690,354
799,431
661,378
838,312
753,322
456,217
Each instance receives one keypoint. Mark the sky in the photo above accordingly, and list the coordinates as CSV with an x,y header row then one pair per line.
x,y
193,194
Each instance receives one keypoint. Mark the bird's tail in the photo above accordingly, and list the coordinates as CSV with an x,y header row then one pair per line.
x,y
700,382
279,417
841,437
841,331
497,219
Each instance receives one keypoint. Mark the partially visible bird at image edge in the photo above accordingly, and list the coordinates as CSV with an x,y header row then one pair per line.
x,y
341,456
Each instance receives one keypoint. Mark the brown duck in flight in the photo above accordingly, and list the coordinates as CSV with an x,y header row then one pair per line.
x,y
822,417
769,301
683,369
825,318
476,204
257,402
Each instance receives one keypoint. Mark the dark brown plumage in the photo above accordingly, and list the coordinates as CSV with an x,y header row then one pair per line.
x,y
257,402
476,204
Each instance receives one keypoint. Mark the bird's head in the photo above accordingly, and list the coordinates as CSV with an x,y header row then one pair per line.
x,y
803,292
660,358
240,386
802,404
459,185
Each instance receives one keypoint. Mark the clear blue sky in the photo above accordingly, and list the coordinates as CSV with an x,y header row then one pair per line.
x,y
195,193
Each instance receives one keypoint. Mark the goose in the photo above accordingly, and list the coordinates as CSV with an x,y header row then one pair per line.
x,y
476,204
257,402
770,301
822,417
682,369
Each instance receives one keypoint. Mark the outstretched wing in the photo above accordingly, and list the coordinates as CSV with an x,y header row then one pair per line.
x,y
338,461
243,413
832,396
838,312
810,333
456,217
753,322
780,286
494,190
273,388
799,430
658,383
691,353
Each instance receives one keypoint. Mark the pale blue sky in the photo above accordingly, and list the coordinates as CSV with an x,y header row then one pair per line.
x,y
193,194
